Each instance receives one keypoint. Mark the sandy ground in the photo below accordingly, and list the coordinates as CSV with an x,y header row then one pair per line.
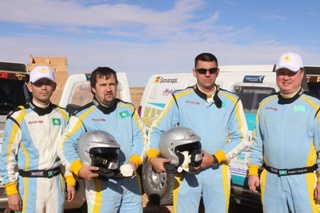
x,y
149,207
136,95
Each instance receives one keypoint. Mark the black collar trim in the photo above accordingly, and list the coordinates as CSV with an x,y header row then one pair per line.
x,y
283,100
202,95
41,111
105,110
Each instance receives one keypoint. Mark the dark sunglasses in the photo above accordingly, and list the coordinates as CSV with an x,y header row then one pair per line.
x,y
41,83
204,71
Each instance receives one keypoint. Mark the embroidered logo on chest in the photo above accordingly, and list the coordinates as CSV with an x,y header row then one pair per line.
x,y
193,102
36,122
56,121
124,114
299,108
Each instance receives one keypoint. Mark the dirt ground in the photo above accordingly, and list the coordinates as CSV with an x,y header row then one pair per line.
x,y
136,95
149,207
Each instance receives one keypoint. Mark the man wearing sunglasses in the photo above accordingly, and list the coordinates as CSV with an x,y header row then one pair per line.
x,y
30,145
217,116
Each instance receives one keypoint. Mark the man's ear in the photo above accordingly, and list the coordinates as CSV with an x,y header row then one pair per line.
x,y
93,90
194,72
54,86
302,74
218,72
29,86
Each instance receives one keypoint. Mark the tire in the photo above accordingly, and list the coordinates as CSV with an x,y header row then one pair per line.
x,y
157,186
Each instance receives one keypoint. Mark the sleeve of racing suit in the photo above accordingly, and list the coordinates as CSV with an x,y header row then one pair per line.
x,y
316,139
139,140
168,118
10,146
238,134
255,150
71,181
68,145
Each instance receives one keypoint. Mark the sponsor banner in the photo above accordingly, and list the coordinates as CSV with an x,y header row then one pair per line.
x,y
253,78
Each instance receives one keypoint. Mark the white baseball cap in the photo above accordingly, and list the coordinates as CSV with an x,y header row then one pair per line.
x,y
290,61
41,72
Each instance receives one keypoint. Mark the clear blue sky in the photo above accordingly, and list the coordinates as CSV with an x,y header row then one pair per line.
x,y
147,37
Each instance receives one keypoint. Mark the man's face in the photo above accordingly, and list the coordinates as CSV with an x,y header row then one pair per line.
x,y
105,90
42,90
205,78
289,82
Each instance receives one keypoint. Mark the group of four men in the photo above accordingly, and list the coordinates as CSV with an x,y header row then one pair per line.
x,y
286,142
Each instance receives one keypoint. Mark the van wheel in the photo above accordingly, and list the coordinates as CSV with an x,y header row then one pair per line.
x,y
157,186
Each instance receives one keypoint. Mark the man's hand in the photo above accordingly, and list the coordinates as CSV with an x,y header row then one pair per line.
x,y
15,202
207,160
71,193
133,165
253,183
86,172
317,192
157,164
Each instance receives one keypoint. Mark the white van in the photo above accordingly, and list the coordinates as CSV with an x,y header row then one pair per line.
x,y
250,82
13,93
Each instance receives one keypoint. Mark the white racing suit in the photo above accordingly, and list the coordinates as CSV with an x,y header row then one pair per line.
x,y
123,123
222,127
30,147
286,141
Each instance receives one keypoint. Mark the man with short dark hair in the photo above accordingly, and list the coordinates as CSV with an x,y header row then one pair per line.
x,y
215,115
119,119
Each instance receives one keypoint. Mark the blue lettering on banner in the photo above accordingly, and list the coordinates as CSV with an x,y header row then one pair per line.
x,y
239,171
253,79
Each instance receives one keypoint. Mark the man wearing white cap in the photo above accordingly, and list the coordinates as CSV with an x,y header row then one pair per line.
x,y
286,142
30,145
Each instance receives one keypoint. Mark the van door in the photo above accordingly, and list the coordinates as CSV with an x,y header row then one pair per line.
x,y
13,91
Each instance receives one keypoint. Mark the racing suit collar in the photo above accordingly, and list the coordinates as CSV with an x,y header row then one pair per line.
x,y
202,95
283,100
105,110
41,111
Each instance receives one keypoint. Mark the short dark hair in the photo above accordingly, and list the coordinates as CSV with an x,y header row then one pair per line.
x,y
102,71
205,57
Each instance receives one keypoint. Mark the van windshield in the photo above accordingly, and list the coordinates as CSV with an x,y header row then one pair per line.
x,y
252,95
12,94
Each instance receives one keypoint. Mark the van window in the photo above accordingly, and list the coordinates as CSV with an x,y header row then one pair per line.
x,y
314,87
314,84
252,95
12,94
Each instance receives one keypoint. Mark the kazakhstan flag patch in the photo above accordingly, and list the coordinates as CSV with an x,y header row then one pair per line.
x,y
56,121
124,114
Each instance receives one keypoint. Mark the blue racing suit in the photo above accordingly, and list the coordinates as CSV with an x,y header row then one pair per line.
x,y
123,123
30,145
286,141
221,124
